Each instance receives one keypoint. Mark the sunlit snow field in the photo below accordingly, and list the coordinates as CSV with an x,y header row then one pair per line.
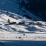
x,y
27,34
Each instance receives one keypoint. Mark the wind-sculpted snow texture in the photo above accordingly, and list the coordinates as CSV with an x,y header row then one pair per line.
x,y
27,26
14,24
20,28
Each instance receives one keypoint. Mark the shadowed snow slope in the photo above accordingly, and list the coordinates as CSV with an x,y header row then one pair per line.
x,y
23,43
14,7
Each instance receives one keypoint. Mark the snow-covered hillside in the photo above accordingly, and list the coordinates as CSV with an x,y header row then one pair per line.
x,y
14,7
19,30
20,27
27,26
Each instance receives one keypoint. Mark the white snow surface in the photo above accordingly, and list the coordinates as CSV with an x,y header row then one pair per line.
x,y
19,31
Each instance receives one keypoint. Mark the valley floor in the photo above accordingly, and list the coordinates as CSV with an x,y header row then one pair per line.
x,y
23,36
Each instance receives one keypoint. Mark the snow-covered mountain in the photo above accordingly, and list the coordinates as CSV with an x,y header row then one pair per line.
x,y
18,25
27,26
15,7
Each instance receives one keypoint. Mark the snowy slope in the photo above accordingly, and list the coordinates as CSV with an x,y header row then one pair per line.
x,y
20,31
20,27
14,7
26,31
